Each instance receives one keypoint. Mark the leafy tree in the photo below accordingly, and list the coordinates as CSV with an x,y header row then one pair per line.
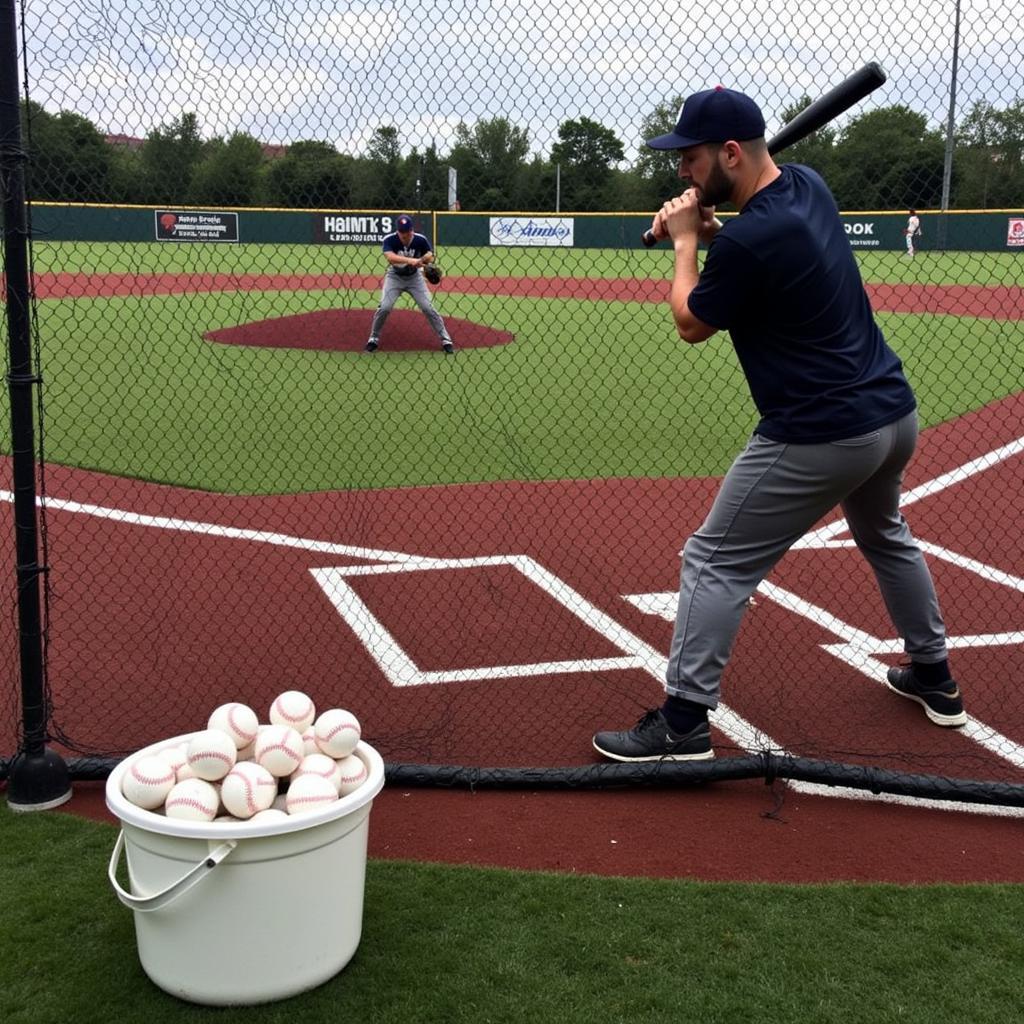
x,y
380,174
535,186
310,174
69,160
888,159
987,160
586,151
423,181
489,157
228,173
168,159
659,168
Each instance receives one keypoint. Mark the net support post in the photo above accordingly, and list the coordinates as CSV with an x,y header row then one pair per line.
x,y
38,778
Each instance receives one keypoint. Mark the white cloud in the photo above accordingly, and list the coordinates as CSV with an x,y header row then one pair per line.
x,y
337,70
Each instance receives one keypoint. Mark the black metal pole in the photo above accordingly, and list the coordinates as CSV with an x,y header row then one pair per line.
x,y
39,778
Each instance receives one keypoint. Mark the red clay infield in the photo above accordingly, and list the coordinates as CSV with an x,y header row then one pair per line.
x,y
722,831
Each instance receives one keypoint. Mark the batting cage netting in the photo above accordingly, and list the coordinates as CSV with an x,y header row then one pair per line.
x,y
245,483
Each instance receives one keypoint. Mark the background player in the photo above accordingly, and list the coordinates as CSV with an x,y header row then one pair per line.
x,y
912,230
407,252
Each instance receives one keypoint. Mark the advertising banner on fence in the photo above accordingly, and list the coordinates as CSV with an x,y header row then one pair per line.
x,y
196,226
1015,232
349,228
531,231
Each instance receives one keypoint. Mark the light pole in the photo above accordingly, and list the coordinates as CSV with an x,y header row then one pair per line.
x,y
947,166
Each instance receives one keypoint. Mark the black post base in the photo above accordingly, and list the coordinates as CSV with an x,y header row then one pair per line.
x,y
38,782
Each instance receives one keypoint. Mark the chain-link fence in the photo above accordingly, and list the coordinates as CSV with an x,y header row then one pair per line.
x,y
478,554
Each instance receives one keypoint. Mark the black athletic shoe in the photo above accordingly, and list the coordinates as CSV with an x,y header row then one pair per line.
x,y
651,739
942,704
371,346
448,348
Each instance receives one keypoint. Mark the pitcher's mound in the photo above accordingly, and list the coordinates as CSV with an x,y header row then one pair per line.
x,y
346,330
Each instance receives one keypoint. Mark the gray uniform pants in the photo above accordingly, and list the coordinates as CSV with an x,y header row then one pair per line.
x,y
416,286
771,496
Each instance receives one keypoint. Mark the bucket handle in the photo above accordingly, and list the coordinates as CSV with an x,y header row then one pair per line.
x,y
160,899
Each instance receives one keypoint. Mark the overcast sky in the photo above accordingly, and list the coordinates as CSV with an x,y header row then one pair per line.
x,y
284,70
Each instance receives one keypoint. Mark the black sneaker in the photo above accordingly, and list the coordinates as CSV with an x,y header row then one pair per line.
x,y
448,348
651,739
942,704
371,346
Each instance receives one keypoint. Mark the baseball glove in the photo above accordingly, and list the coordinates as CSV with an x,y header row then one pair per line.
x,y
432,273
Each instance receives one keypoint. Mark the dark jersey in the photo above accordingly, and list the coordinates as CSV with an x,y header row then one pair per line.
x,y
782,279
417,248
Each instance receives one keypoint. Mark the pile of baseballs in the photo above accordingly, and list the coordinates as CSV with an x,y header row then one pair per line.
x,y
237,769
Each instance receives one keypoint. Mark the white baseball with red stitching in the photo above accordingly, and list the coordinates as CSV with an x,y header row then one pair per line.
x,y
247,789
310,793
193,800
211,754
337,732
239,721
279,749
353,774
147,782
319,764
293,709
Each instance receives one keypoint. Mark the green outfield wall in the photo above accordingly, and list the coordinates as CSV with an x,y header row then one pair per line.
x,y
984,231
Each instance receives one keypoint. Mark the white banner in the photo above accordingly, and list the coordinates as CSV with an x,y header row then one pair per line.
x,y
531,231
453,188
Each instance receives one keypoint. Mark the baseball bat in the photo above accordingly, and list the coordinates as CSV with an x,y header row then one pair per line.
x,y
824,109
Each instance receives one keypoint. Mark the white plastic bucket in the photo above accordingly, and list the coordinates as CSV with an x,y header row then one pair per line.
x,y
243,912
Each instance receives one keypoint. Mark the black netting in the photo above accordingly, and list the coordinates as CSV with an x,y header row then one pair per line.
x,y
478,554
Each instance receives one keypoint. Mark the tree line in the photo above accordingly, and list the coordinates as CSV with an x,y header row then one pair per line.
x,y
887,158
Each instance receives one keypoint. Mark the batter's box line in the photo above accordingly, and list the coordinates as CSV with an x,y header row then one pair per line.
x,y
400,669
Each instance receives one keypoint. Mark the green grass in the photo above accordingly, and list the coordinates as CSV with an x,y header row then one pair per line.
x,y
588,389
446,944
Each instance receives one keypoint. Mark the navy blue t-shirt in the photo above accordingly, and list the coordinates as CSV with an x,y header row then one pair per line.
x,y
417,248
782,279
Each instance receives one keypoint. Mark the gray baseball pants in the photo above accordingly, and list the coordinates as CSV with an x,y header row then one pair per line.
x,y
771,496
416,286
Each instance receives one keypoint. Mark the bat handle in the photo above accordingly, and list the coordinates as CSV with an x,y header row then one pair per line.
x,y
649,238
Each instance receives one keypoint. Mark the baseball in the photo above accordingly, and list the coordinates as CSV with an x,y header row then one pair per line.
x,y
211,754
310,793
353,774
247,789
176,756
192,800
279,749
337,732
319,764
270,814
293,709
309,741
148,781
238,721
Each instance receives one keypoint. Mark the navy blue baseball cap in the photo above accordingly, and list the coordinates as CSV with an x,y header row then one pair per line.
x,y
405,223
715,115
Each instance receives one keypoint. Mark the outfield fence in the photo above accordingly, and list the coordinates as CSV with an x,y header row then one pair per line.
x,y
217,493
